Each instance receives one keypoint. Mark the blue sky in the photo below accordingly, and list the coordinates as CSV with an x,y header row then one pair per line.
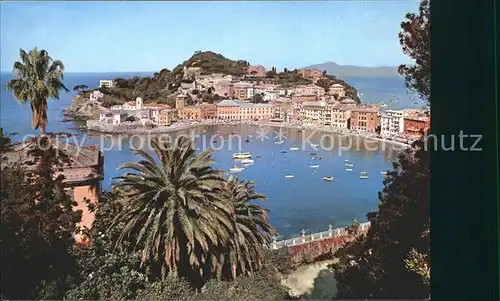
x,y
127,36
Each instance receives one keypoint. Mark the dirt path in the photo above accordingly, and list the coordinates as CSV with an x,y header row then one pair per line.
x,y
312,282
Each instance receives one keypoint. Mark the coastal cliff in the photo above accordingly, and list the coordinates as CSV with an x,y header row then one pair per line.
x,y
83,108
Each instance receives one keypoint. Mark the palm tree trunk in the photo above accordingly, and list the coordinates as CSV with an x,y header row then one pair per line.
x,y
42,117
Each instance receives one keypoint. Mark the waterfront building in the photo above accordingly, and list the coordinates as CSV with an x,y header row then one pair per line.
x,y
315,113
106,83
341,116
166,117
338,90
190,113
365,118
256,111
416,124
180,100
82,174
392,123
208,111
228,109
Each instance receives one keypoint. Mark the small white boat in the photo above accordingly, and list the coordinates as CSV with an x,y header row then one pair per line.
x,y
363,177
241,155
328,179
349,165
314,166
383,173
278,142
247,161
289,176
314,145
294,148
346,160
236,169
363,173
348,169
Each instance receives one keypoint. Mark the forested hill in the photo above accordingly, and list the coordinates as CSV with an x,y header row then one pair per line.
x,y
211,62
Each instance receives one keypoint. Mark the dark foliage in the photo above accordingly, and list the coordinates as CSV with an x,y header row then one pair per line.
x,y
375,265
211,62
37,226
415,41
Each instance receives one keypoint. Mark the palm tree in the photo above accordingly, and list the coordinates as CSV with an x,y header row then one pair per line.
x,y
252,228
37,78
176,211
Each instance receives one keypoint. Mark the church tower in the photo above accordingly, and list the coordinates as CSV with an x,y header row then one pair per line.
x,y
138,103
179,102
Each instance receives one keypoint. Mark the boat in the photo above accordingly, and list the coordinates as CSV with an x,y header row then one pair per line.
x,y
283,151
349,165
236,169
313,154
346,160
248,140
278,142
363,173
328,179
363,177
383,173
314,145
314,166
258,157
294,148
247,161
348,169
234,133
289,176
241,155
317,158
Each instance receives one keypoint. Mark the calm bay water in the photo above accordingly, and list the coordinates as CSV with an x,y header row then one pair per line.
x,y
305,202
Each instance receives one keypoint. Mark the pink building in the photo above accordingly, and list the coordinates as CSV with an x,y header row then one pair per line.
x,y
256,71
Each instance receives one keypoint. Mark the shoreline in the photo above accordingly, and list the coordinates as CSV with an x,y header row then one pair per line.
x,y
130,130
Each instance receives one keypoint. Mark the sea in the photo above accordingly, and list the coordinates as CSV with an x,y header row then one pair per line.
x,y
302,202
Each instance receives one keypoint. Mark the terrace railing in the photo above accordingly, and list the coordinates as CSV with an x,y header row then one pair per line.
x,y
304,239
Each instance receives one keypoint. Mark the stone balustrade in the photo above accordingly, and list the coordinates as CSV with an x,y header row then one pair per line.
x,y
303,239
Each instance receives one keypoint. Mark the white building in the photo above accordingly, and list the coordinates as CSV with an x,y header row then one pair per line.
x,y
269,96
108,83
96,95
250,92
392,123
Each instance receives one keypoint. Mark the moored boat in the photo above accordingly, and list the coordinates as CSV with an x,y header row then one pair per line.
x,y
278,142
383,173
348,169
283,151
328,179
314,166
289,176
247,161
236,169
349,165
363,173
294,148
317,158
363,177
241,155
